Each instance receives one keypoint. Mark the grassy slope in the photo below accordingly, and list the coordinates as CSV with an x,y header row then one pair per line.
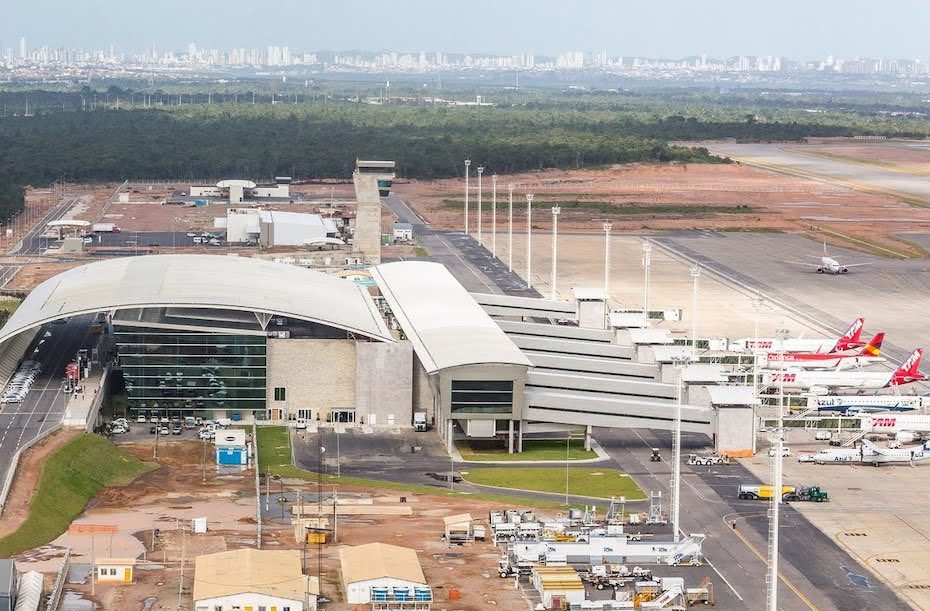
x,y
274,457
593,482
533,449
70,478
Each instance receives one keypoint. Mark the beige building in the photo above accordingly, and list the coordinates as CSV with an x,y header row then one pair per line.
x,y
253,579
375,568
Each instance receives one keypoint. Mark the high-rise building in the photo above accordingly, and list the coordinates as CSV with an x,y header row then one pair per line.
x,y
22,48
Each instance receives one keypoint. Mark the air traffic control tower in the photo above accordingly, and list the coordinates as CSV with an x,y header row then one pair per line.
x,y
372,182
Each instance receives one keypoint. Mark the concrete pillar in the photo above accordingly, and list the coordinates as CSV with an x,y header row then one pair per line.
x,y
587,438
449,425
510,436
520,437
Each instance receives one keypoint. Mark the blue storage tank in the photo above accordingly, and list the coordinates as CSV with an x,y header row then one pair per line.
x,y
232,456
379,594
200,202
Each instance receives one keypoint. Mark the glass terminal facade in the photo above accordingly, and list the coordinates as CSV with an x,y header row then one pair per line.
x,y
167,370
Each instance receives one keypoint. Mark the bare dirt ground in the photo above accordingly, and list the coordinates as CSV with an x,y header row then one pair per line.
x,y
649,198
27,478
183,489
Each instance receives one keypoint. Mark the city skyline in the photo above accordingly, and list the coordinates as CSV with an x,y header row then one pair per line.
x,y
723,28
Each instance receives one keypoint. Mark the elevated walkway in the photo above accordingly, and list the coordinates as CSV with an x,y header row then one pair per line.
x,y
587,408
544,361
536,329
525,307
617,387
573,347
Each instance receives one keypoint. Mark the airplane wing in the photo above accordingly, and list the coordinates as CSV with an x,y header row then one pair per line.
x,y
855,264
810,265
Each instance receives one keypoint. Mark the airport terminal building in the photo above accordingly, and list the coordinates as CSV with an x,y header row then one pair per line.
x,y
238,337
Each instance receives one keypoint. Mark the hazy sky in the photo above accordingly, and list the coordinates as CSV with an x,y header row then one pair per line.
x,y
659,28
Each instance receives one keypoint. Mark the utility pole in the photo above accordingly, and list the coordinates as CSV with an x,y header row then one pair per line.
x,y
647,260
529,239
480,172
556,210
695,274
493,215
510,227
467,166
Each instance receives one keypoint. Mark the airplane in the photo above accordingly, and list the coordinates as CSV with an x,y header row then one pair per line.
x,y
904,428
837,361
851,405
807,380
828,264
847,341
870,454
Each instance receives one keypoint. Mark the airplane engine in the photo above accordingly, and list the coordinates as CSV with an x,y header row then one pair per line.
x,y
904,437
819,270
844,270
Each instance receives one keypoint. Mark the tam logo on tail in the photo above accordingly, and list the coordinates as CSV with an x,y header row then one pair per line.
x,y
850,339
908,371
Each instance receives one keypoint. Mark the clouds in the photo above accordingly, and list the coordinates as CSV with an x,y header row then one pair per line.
x,y
657,28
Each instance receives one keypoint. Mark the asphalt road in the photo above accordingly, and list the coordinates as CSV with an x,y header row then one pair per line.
x,y
470,263
33,243
45,404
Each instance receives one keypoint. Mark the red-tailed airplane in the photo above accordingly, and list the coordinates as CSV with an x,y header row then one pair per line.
x,y
849,340
809,380
837,361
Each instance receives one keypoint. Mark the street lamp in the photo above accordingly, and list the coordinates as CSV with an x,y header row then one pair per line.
x,y
647,259
467,166
679,363
529,238
510,227
493,215
556,210
480,172
695,274
606,226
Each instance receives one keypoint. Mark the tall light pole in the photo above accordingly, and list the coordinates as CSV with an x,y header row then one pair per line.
x,y
529,238
695,274
467,166
606,226
480,172
510,227
676,446
777,481
556,210
647,260
757,302
493,215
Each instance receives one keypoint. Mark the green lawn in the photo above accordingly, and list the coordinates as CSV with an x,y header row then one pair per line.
x,y
10,305
582,481
70,478
533,449
274,456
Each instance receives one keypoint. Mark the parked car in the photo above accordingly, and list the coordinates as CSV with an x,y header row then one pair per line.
x,y
153,430
301,424
164,430
141,419
177,430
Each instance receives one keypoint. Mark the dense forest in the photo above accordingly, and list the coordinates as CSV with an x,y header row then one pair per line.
x,y
123,133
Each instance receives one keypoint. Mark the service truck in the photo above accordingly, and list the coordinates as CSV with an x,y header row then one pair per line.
x,y
788,493
419,421
105,228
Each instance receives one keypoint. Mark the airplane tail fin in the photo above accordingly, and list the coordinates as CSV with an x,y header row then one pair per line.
x,y
874,347
909,369
851,338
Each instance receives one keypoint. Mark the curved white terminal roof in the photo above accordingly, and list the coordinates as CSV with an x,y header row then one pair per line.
x,y
444,323
245,184
201,281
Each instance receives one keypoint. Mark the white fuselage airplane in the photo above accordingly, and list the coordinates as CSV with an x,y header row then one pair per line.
x,y
805,380
870,454
848,340
904,428
828,265
835,361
